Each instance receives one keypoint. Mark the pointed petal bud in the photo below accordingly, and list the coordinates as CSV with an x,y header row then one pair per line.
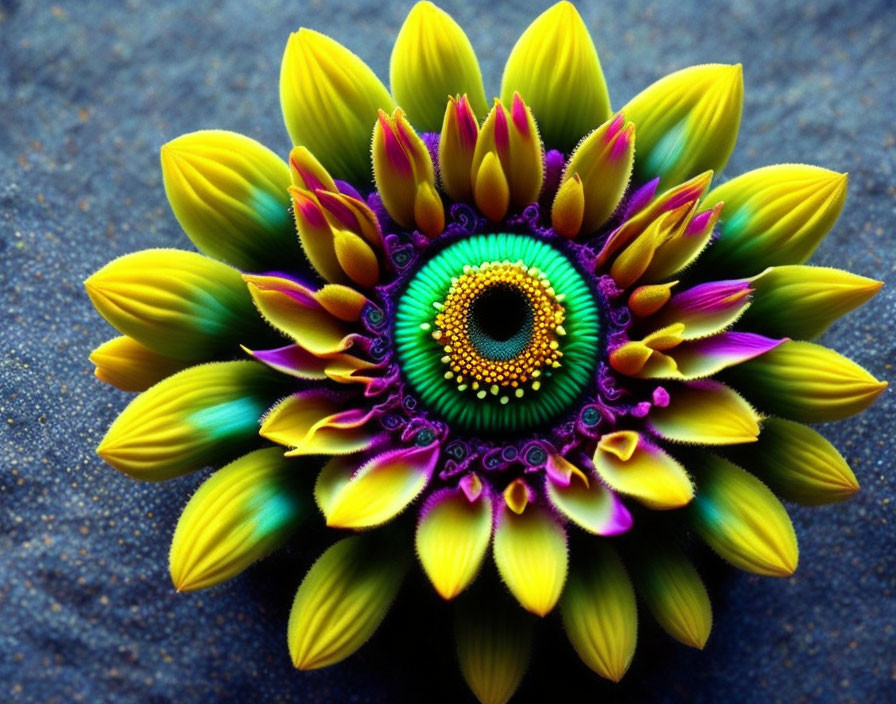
x,y
179,304
229,194
315,423
200,416
632,263
403,170
599,613
568,210
457,145
316,235
377,491
342,601
356,258
798,464
530,552
705,413
687,122
490,189
526,164
684,246
585,501
350,213
739,518
630,464
706,309
307,172
127,365
452,537
802,301
807,383
774,215
241,513
494,645
330,100
554,53
296,311
673,591
432,59
647,300
603,160
296,361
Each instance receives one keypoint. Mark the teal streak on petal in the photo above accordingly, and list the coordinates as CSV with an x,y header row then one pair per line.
x,y
275,509
271,211
226,420
667,152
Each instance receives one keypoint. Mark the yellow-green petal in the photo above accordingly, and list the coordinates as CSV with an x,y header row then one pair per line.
x,y
342,600
229,194
798,464
555,69
705,413
179,304
599,612
241,513
130,366
200,416
806,382
673,591
431,60
802,301
687,122
772,216
330,99
740,518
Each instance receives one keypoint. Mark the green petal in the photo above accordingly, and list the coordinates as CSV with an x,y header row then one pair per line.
x,y
772,216
229,194
240,514
802,301
330,99
806,382
555,69
798,464
342,601
599,612
200,416
431,60
739,518
687,122
181,305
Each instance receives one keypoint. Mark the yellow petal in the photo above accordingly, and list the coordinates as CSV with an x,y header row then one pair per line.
x,y
457,144
705,413
127,365
631,465
356,258
432,59
490,189
342,601
599,612
241,513
553,55
568,210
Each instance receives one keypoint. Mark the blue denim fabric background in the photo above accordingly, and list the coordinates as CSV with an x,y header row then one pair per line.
x,y
89,90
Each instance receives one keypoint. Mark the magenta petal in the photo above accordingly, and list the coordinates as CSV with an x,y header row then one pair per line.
x,y
640,198
292,360
711,297
702,358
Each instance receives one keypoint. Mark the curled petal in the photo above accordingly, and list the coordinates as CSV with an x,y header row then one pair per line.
x,y
774,215
494,645
739,518
240,513
798,464
295,310
530,552
802,301
673,591
457,145
229,194
705,413
554,53
342,600
687,122
316,235
452,536
342,302
490,188
634,261
127,365
296,361
344,211
315,423
807,382
706,309
683,246
585,501
179,304
631,465
432,59
330,100
200,416
599,612
603,162
378,490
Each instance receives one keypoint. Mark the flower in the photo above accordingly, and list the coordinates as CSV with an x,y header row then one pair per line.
x,y
540,333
